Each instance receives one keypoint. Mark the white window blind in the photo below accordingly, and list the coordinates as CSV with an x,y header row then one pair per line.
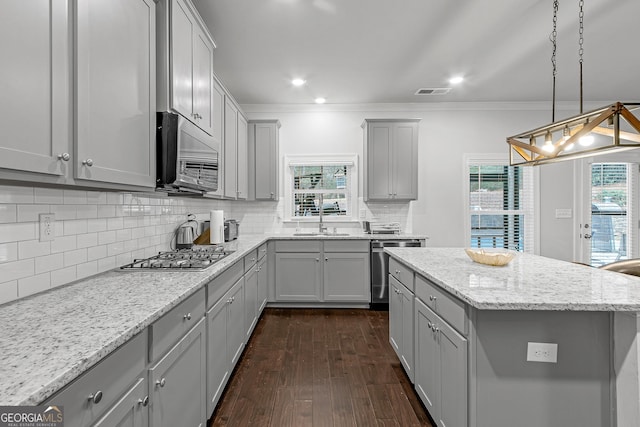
x,y
327,182
501,205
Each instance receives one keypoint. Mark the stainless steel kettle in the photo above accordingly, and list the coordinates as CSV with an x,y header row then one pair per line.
x,y
186,234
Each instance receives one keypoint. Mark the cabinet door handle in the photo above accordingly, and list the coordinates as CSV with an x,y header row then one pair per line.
x,y
144,402
432,298
317,259
64,156
88,162
187,316
429,325
95,397
326,259
161,382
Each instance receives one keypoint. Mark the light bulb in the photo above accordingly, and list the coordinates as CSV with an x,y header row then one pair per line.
x,y
548,143
298,82
586,140
320,100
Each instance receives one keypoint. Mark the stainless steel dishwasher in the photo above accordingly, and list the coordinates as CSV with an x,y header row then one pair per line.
x,y
380,269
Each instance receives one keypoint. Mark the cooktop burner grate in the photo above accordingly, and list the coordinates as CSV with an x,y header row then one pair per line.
x,y
182,259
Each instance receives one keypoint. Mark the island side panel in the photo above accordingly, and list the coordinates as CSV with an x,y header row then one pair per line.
x,y
511,391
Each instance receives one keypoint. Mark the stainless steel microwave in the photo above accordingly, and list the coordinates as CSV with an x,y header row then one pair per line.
x,y
187,157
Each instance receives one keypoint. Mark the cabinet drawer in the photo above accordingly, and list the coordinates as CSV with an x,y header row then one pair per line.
x,y
110,379
171,327
298,246
221,284
450,308
262,251
402,273
346,246
250,260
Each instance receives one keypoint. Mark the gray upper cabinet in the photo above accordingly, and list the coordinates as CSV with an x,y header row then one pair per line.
x,y
115,100
263,159
235,151
185,63
391,159
35,76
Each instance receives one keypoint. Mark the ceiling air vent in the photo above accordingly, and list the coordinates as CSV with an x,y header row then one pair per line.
x,y
433,91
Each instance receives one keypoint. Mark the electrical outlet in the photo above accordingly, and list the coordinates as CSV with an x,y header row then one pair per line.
x,y
542,352
363,214
47,227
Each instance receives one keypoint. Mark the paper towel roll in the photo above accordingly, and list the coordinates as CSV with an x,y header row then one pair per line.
x,y
216,227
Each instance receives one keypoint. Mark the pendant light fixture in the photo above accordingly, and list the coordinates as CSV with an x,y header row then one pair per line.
x,y
613,128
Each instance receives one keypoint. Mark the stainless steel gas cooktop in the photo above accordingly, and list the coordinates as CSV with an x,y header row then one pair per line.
x,y
182,259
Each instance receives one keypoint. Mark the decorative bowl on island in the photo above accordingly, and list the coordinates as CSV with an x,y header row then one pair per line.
x,y
494,257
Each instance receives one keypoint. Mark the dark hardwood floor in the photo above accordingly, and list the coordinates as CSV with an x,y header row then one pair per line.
x,y
320,367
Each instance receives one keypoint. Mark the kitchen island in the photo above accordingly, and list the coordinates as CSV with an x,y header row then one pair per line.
x,y
539,342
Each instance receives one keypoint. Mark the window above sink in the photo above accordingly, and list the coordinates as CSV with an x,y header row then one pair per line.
x,y
316,184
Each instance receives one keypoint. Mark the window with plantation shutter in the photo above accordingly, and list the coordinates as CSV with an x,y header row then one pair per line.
x,y
500,205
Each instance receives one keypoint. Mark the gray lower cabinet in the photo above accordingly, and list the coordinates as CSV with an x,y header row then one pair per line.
x,y
131,410
263,287
251,299
441,368
298,277
317,271
110,390
177,383
236,316
401,324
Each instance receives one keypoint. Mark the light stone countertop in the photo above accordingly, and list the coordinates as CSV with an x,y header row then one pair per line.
x,y
528,282
49,339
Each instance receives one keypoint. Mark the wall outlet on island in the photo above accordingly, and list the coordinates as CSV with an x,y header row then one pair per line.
x,y
542,352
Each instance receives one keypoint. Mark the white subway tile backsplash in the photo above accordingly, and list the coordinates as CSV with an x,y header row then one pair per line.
x,y
77,226
124,234
74,197
49,263
114,198
63,244
16,194
33,249
96,197
63,276
86,211
17,269
49,196
8,252
96,252
86,240
108,263
34,284
86,269
8,291
17,232
29,213
130,222
106,237
106,211
75,257
63,212
116,248
115,223
8,213
96,225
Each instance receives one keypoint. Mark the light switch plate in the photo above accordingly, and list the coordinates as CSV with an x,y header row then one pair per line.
x,y
542,352
564,213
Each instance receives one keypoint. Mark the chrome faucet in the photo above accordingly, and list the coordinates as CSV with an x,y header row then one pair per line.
x,y
321,227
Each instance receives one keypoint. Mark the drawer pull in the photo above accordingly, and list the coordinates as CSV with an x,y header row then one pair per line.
x,y
144,402
96,397
429,325
187,316
161,382
432,298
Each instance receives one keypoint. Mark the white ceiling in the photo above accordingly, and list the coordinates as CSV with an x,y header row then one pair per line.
x,y
382,51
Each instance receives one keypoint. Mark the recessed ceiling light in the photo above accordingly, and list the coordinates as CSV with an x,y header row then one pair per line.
x,y
456,80
320,100
298,82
